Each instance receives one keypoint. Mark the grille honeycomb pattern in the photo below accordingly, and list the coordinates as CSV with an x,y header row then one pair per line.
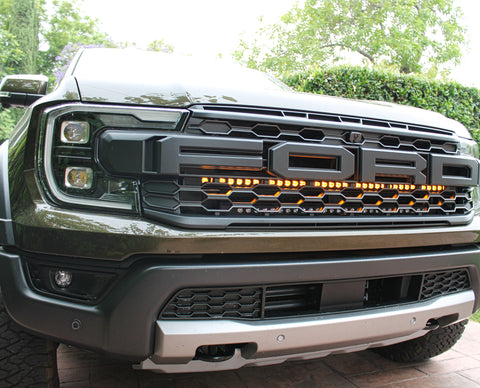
x,y
217,199
442,283
306,133
242,303
286,300
187,201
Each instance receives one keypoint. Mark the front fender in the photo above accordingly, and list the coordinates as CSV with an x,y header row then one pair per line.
x,y
6,228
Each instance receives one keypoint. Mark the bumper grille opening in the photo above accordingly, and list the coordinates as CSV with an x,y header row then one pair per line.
x,y
290,300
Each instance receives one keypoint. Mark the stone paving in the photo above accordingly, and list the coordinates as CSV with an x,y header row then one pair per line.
x,y
459,367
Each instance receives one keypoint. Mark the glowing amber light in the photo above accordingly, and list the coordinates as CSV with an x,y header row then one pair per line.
x,y
328,185
436,188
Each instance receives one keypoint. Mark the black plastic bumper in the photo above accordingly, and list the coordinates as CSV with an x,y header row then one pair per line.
x,y
123,322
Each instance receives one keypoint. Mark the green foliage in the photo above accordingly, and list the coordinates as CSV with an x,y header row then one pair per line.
x,y
23,24
67,25
412,35
34,38
449,98
476,317
8,119
160,45
10,52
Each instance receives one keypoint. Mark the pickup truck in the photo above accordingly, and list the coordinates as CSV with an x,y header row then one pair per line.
x,y
194,216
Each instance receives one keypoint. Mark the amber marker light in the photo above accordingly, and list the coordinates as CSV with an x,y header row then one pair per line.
x,y
79,177
289,184
434,188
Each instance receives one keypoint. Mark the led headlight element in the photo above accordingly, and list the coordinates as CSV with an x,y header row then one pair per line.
x,y
63,278
79,177
75,132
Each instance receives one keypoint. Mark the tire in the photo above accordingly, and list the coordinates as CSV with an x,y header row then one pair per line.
x,y
25,360
430,345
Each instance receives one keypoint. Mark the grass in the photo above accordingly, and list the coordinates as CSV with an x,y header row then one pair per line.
x,y
476,317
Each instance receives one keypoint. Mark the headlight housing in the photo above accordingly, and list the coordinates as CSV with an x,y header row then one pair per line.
x,y
69,165
469,147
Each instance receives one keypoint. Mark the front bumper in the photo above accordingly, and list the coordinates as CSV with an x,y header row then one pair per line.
x,y
124,322
262,343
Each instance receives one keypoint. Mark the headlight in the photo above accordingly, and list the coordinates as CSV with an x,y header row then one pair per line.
x,y
468,147
70,168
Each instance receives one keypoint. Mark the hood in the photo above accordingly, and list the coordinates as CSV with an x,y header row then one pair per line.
x,y
149,78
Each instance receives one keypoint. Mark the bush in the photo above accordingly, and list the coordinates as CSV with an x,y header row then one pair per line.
x,y
8,119
455,101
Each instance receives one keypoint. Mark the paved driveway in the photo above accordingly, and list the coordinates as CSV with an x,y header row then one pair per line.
x,y
459,367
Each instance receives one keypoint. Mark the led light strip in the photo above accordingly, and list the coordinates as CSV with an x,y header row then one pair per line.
x,y
331,185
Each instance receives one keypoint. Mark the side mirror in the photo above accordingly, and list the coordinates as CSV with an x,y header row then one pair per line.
x,y
20,91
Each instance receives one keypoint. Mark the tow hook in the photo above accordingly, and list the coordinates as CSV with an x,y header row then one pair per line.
x,y
432,324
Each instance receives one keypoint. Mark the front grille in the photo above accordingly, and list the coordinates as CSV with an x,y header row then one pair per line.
x,y
289,300
213,303
270,197
228,196
441,283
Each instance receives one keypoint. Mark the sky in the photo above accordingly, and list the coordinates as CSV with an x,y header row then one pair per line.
x,y
212,27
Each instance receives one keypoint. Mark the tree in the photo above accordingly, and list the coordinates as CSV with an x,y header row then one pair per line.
x,y
34,38
160,45
24,26
410,35
67,25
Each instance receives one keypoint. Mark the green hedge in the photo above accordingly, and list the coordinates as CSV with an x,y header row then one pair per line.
x,y
449,98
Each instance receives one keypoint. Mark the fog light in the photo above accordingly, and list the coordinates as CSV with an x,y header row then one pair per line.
x,y
79,177
75,132
63,278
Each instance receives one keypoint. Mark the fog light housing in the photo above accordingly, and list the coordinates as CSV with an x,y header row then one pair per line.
x,y
71,283
79,178
63,279
75,132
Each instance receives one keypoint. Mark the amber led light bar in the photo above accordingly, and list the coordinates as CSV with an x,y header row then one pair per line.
x,y
329,185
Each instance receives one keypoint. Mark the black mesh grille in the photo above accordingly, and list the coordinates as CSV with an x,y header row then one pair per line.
x,y
300,199
215,303
442,283
287,300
